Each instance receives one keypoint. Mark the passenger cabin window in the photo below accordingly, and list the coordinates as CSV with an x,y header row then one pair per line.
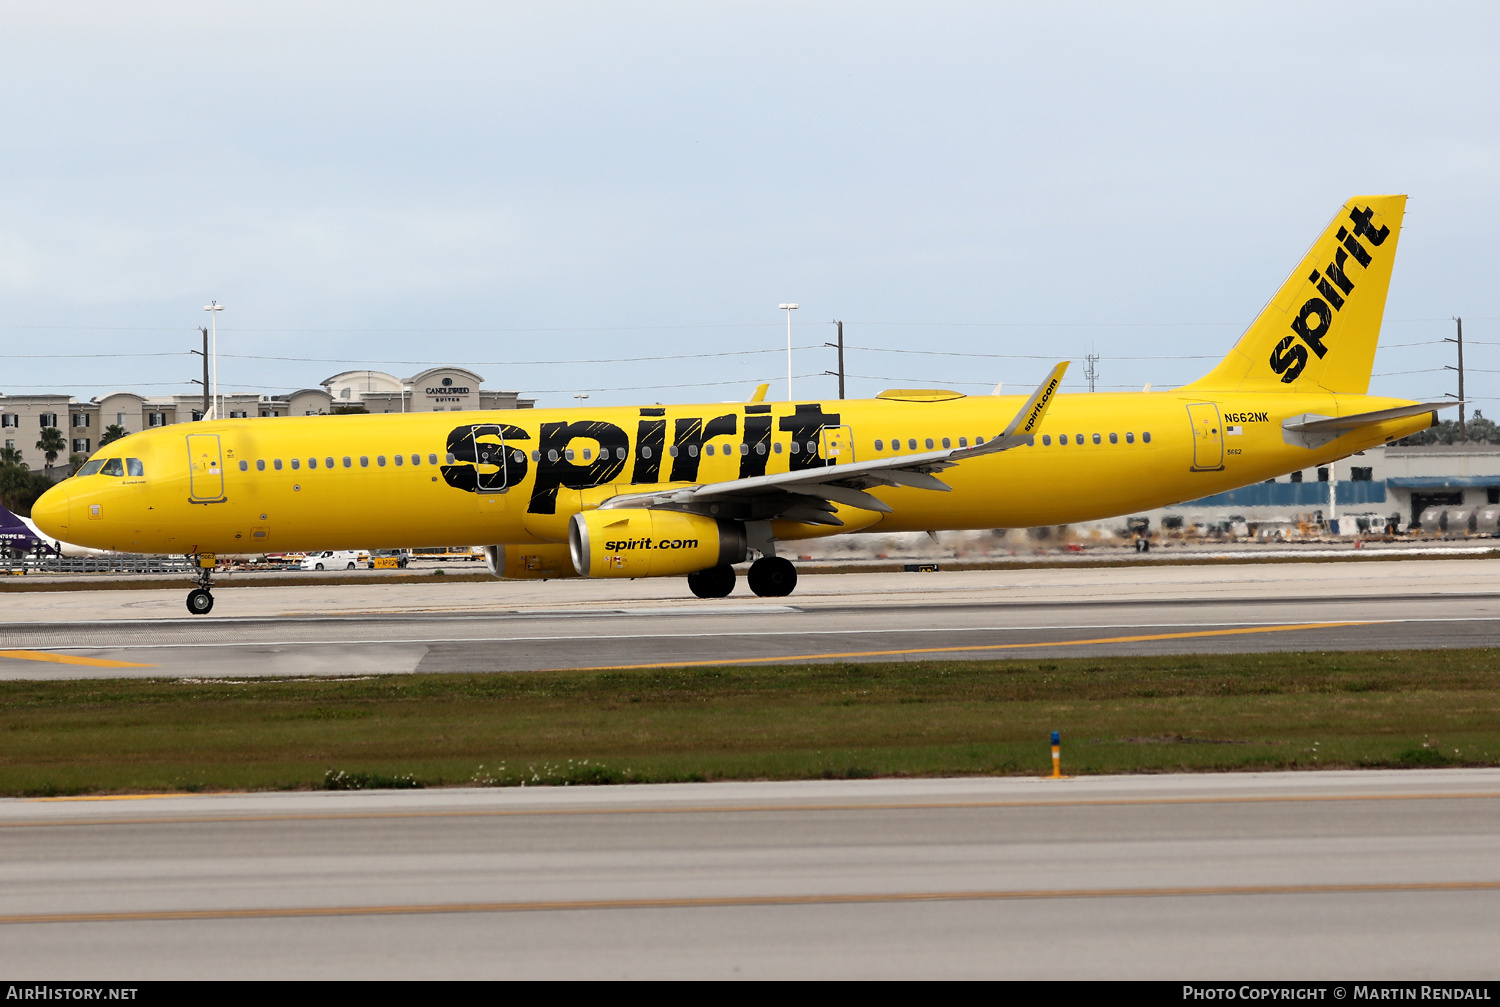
x,y
1114,438
1078,438
710,449
312,463
431,459
1096,438
400,458
277,464
947,443
260,464
879,444
348,463
296,464
963,442
911,444
1146,437
89,468
244,465
328,463
1047,440
1129,437
364,462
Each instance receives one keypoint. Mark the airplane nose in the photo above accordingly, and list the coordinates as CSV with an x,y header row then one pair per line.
x,y
51,512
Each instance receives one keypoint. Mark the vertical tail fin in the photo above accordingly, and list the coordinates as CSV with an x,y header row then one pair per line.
x,y
1320,330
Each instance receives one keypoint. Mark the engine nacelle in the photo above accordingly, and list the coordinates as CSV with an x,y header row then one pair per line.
x,y
529,562
651,543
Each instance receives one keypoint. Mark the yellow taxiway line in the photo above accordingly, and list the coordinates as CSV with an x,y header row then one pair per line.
x,y
973,648
90,662
566,905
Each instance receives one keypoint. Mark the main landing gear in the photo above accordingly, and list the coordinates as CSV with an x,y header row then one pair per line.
x,y
200,600
772,577
715,582
769,577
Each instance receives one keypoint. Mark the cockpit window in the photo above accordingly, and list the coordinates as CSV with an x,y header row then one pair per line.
x,y
113,467
89,468
133,467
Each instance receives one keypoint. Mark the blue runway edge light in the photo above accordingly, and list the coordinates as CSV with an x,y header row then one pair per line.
x,y
1056,738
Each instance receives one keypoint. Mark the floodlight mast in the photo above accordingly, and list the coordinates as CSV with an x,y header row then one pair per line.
x,y
213,308
788,308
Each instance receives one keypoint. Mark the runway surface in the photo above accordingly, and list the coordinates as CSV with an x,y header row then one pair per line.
x,y
1310,875
506,627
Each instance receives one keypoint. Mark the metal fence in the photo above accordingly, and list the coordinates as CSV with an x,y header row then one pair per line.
x,y
123,563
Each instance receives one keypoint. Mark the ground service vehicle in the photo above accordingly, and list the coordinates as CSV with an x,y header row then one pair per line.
x,y
692,490
334,559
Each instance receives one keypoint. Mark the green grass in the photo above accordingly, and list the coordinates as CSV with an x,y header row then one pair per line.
x,y
1140,714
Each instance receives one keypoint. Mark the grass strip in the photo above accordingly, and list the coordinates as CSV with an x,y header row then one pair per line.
x,y
1117,715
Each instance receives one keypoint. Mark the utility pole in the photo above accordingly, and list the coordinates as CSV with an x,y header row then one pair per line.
x,y
204,354
1091,372
1462,433
840,345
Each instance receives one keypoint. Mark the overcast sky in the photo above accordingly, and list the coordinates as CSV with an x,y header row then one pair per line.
x,y
496,185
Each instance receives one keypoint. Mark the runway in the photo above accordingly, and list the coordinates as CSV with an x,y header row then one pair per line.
x,y
1311,875
509,627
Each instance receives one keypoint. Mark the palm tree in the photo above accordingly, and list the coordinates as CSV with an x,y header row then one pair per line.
x,y
12,456
112,433
52,444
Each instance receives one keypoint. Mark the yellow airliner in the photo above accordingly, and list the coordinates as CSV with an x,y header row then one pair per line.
x,y
692,489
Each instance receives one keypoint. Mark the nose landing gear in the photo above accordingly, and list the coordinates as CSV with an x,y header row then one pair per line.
x,y
199,600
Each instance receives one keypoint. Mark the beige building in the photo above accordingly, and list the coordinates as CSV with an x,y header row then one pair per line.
x,y
435,390
23,418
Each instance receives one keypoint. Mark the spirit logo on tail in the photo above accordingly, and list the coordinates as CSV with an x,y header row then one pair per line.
x,y
1316,316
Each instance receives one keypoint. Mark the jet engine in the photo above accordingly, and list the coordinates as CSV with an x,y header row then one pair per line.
x,y
651,543
529,562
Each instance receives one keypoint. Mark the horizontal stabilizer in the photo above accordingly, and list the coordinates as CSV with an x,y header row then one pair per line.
x,y
1311,430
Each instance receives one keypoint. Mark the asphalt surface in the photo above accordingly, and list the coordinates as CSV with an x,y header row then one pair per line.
x,y
362,629
1251,876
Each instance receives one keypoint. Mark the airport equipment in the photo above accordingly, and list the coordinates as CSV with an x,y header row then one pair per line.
x,y
1057,755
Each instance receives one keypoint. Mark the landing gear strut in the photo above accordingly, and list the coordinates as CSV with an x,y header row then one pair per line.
x,y
715,582
199,600
772,577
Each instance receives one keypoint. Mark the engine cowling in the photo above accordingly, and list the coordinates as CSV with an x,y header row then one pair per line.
x,y
635,542
529,562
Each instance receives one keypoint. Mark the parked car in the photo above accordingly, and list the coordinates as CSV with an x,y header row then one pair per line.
x,y
334,559
388,559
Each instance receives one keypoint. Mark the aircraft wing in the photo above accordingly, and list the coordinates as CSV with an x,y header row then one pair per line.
x,y
1312,430
808,495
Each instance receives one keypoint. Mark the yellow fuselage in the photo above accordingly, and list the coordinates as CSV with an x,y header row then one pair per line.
x,y
346,489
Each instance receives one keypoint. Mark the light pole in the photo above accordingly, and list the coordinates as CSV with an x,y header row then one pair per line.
x,y
580,396
213,308
788,308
